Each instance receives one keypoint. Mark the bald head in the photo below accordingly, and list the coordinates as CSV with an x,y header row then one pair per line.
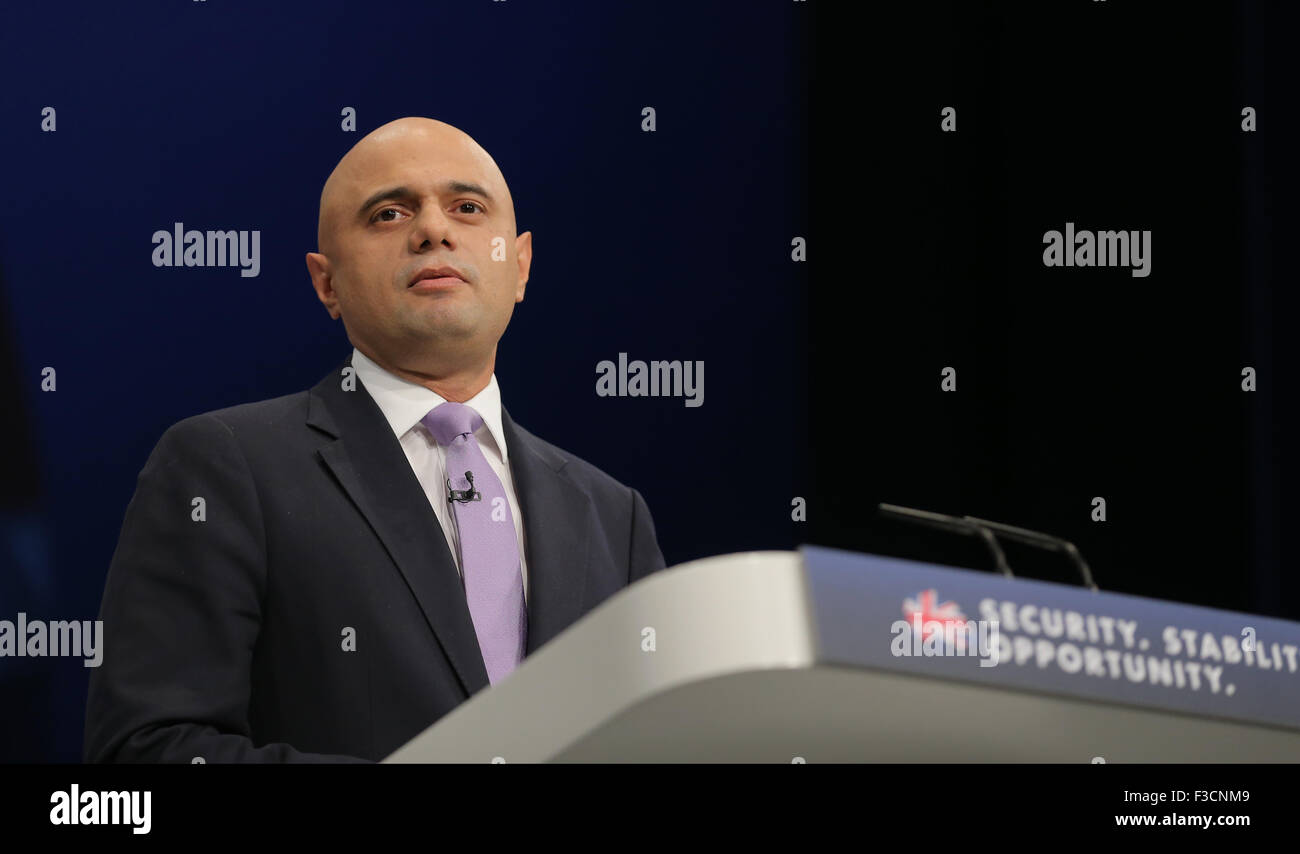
x,y
405,137
418,253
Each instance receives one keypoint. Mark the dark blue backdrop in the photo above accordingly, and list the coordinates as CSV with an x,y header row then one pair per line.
x,y
226,115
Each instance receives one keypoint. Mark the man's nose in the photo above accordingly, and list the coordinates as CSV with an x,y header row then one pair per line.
x,y
430,227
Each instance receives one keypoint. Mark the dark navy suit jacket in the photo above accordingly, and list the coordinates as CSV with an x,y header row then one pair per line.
x,y
224,638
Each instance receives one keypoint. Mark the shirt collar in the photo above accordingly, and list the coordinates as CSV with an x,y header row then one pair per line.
x,y
405,403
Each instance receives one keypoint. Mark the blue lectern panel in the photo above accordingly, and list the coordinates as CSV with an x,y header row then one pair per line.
x,y
901,615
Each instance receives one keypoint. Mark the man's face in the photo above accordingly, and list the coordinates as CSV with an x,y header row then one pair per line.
x,y
413,200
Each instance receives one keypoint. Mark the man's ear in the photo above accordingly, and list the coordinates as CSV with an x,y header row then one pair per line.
x,y
318,266
523,249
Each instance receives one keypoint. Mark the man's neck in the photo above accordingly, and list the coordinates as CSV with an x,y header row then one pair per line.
x,y
457,385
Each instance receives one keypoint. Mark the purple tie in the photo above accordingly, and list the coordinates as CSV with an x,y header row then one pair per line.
x,y
494,585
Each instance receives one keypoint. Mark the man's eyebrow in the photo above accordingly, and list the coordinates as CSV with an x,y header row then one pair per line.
x,y
406,193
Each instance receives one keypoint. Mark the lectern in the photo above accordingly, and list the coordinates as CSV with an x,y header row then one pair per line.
x,y
822,655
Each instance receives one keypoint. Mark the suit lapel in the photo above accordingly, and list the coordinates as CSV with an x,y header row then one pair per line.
x,y
559,522
373,470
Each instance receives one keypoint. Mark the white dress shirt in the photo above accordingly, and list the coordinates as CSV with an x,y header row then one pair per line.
x,y
404,403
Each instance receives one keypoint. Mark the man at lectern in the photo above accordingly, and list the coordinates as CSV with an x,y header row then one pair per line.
x,y
321,576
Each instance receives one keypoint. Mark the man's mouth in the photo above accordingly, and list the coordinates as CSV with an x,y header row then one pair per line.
x,y
436,276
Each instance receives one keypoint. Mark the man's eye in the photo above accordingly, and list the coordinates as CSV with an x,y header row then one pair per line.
x,y
475,204
384,211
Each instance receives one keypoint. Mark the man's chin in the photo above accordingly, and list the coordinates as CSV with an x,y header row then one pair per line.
x,y
448,329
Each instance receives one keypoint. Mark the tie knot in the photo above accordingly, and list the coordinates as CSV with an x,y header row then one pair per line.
x,y
449,420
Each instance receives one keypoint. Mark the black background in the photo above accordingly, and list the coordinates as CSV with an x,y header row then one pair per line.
x,y
1072,382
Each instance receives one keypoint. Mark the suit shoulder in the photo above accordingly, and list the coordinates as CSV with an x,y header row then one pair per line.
x,y
242,422
580,470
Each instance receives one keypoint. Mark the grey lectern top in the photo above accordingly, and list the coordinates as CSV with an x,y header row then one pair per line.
x,y
821,655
